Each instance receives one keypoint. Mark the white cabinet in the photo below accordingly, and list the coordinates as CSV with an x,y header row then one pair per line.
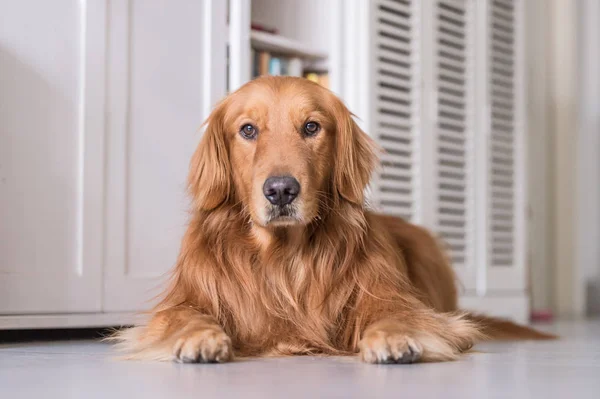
x,y
51,157
155,106
446,103
100,112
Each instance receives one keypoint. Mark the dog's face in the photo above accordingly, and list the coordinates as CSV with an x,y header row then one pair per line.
x,y
281,147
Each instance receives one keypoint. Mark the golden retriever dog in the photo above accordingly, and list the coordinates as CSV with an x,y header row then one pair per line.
x,y
281,256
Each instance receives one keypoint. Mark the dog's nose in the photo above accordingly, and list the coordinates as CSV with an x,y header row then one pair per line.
x,y
281,190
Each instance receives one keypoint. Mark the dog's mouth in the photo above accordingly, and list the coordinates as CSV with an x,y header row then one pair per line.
x,y
282,215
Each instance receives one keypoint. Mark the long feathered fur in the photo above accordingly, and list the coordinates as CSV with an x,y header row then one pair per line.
x,y
332,286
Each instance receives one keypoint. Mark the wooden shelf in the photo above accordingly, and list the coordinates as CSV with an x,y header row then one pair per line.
x,y
282,45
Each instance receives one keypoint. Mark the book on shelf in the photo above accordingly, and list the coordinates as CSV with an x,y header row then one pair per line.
x,y
266,63
276,66
254,63
320,77
263,63
295,67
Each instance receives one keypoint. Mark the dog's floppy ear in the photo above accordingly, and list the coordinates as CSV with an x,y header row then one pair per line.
x,y
209,180
355,157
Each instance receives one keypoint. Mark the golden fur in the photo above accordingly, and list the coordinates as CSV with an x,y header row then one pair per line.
x,y
332,279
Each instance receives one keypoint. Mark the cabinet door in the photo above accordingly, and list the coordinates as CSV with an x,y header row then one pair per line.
x,y
504,170
166,70
395,121
423,117
51,156
453,130
446,105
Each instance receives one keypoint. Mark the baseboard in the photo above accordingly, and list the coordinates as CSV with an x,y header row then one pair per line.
x,y
76,320
514,307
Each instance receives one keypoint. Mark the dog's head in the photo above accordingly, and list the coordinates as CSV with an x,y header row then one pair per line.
x,y
281,147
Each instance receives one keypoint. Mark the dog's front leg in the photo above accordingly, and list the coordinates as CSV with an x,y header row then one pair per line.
x,y
180,333
200,340
419,335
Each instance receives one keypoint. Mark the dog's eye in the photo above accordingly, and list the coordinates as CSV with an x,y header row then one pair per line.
x,y
311,128
248,131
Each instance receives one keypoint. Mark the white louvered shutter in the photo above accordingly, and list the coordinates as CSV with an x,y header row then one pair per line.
x,y
447,107
453,83
505,168
396,107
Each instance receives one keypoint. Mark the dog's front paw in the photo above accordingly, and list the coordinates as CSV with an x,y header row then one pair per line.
x,y
389,347
203,346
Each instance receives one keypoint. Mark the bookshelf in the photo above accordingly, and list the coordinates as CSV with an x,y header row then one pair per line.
x,y
284,37
278,44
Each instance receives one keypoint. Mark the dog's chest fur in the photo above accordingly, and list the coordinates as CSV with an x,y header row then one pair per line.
x,y
288,301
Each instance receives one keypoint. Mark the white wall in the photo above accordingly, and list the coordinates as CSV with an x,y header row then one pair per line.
x,y
589,144
588,165
564,152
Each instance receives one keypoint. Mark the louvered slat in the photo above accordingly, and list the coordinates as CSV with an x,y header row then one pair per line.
x,y
455,243
397,146
395,7
395,161
398,95
398,185
394,90
397,174
453,135
502,141
391,59
393,44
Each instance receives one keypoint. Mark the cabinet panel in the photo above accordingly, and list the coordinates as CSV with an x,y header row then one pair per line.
x,y
51,153
505,167
156,86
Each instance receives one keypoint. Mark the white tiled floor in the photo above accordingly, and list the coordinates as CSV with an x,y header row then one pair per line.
x,y
568,368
